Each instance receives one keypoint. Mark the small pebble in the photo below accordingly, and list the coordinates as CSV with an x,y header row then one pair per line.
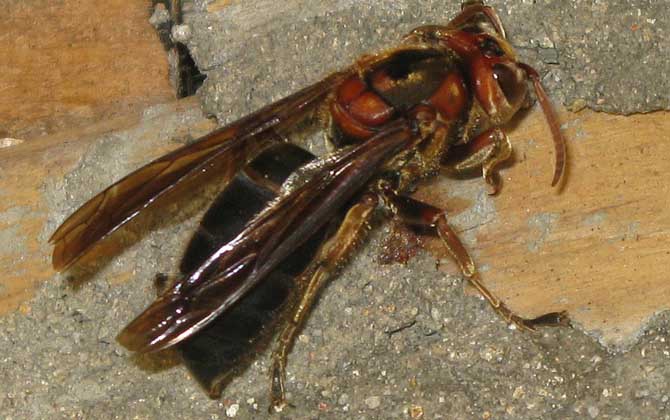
x,y
415,411
232,410
343,400
181,33
160,16
373,402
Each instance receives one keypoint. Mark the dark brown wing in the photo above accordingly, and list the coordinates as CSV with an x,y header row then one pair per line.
x,y
265,242
231,147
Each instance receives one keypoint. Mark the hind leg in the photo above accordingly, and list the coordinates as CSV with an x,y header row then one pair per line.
x,y
417,213
330,256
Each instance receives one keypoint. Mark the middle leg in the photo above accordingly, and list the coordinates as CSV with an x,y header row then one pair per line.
x,y
417,213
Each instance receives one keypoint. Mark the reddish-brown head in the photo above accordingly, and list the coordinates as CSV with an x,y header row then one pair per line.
x,y
498,81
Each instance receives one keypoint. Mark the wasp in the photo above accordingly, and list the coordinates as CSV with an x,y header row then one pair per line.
x,y
287,220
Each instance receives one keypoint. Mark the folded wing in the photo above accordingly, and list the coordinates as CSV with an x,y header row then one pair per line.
x,y
229,147
236,267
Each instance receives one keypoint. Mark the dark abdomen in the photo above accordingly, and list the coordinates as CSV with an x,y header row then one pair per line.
x,y
218,351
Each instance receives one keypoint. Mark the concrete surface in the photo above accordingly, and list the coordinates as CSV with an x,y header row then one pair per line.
x,y
608,55
386,341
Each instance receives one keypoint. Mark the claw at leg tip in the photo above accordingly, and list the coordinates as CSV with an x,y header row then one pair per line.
x,y
277,406
492,184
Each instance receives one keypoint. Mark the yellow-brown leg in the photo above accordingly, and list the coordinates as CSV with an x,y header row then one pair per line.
x,y
417,213
486,151
330,256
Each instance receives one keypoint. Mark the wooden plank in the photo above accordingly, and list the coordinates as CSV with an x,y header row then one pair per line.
x,y
29,168
600,246
70,63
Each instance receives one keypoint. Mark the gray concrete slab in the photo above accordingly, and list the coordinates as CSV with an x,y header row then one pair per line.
x,y
455,358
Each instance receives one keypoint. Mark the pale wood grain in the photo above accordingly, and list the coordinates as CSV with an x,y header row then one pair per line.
x,y
70,63
26,176
600,246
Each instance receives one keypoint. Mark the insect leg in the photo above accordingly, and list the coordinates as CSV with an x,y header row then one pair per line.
x,y
329,258
417,213
488,150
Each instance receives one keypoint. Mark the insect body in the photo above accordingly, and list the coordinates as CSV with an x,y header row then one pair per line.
x,y
287,220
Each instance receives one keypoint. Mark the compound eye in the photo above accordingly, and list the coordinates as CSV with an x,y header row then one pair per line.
x,y
490,48
513,87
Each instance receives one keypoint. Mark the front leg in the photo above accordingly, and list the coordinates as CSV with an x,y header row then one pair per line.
x,y
486,151
417,213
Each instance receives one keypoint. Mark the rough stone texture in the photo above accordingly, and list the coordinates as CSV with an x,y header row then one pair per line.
x,y
454,359
610,56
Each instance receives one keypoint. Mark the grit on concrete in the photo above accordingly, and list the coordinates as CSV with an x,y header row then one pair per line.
x,y
385,341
